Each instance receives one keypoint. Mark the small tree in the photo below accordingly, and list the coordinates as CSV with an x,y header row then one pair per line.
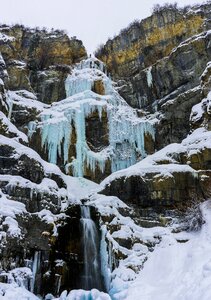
x,y
158,8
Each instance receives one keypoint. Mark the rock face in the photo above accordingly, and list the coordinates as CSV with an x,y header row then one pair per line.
x,y
158,63
144,43
38,60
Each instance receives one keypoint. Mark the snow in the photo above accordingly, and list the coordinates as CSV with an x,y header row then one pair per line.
x,y
10,128
206,71
119,278
197,113
21,276
25,99
209,103
180,266
47,185
50,218
15,292
10,208
6,38
79,188
177,270
199,139
13,228
199,109
157,274
107,205
84,295
20,149
194,38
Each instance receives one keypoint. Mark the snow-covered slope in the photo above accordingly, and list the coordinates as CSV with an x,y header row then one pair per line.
x,y
179,267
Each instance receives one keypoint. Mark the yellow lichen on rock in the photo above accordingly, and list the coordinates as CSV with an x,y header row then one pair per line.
x,y
153,41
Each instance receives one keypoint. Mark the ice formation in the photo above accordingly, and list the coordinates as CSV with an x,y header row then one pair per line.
x,y
149,76
35,267
126,130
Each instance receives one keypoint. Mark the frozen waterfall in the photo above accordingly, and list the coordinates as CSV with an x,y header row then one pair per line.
x,y
68,118
35,268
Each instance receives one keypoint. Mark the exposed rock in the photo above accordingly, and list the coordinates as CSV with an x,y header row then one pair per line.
x,y
49,84
99,87
18,76
206,80
130,56
9,130
27,52
156,191
97,131
159,66
25,167
23,109
174,117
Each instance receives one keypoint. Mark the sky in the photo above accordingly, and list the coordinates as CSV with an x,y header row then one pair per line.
x,y
92,21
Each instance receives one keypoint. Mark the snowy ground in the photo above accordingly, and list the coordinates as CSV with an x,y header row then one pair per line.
x,y
178,270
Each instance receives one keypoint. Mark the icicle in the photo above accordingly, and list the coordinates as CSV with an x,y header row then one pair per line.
x,y
149,76
59,283
35,268
31,128
104,256
10,109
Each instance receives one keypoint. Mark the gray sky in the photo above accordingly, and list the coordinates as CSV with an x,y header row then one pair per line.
x,y
92,21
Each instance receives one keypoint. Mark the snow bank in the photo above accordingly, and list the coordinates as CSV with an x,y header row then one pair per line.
x,y
15,292
84,295
8,210
178,270
10,128
26,99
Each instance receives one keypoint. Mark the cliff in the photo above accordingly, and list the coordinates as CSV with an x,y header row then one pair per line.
x,y
158,63
144,43
38,60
